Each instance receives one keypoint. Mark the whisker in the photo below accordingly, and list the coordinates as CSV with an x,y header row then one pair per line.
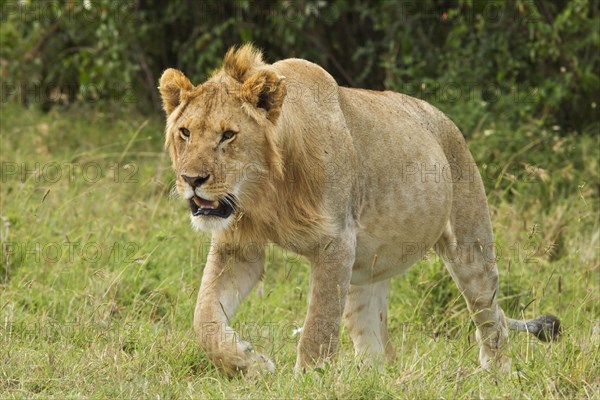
x,y
230,200
173,193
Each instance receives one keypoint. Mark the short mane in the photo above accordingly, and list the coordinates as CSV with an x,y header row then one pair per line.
x,y
240,61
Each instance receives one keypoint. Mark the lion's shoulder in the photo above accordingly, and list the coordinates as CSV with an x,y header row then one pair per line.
x,y
299,70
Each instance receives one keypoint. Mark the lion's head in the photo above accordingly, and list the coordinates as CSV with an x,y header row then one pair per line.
x,y
220,136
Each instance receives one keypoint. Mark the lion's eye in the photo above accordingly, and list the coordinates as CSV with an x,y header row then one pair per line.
x,y
184,133
227,135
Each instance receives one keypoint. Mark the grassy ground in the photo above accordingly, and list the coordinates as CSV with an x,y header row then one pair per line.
x,y
99,271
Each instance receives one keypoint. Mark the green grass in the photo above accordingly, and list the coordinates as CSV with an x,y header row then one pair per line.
x,y
99,271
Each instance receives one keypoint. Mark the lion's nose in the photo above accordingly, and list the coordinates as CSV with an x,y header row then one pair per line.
x,y
195,181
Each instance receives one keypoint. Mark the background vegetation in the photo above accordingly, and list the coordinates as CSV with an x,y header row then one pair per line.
x,y
516,58
99,267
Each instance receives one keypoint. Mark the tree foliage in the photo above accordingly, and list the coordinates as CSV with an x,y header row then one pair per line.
x,y
514,58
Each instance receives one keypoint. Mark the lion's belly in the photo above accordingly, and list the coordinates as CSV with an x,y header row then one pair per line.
x,y
378,259
398,226
402,213
405,181
389,245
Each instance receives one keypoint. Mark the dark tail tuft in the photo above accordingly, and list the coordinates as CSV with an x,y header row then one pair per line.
x,y
547,329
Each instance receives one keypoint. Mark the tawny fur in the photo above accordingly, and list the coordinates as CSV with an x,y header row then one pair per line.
x,y
239,62
360,182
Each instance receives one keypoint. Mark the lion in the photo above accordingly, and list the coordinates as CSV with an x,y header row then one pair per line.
x,y
354,180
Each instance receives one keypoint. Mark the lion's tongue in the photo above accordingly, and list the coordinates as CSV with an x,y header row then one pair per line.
x,y
203,203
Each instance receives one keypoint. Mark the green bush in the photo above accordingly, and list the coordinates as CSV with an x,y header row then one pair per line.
x,y
511,59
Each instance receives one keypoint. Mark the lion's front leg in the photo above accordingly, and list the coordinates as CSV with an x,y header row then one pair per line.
x,y
228,277
330,280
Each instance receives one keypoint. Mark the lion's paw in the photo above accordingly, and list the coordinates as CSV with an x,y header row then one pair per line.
x,y
492,359
258,364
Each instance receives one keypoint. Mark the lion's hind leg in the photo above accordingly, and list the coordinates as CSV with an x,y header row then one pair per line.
x,y
366,319
469,257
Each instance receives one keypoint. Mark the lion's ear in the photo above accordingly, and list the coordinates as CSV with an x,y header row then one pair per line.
x,y
171,85
265,90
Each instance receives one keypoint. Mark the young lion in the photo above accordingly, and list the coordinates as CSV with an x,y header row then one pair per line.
x,y
360,182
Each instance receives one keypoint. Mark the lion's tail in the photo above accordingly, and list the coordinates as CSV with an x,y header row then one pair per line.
x,y
545,327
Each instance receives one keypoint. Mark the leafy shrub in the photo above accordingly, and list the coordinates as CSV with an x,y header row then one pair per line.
x,y
513,59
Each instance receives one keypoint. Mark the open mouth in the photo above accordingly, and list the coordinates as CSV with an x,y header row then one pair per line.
x,y
221,208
